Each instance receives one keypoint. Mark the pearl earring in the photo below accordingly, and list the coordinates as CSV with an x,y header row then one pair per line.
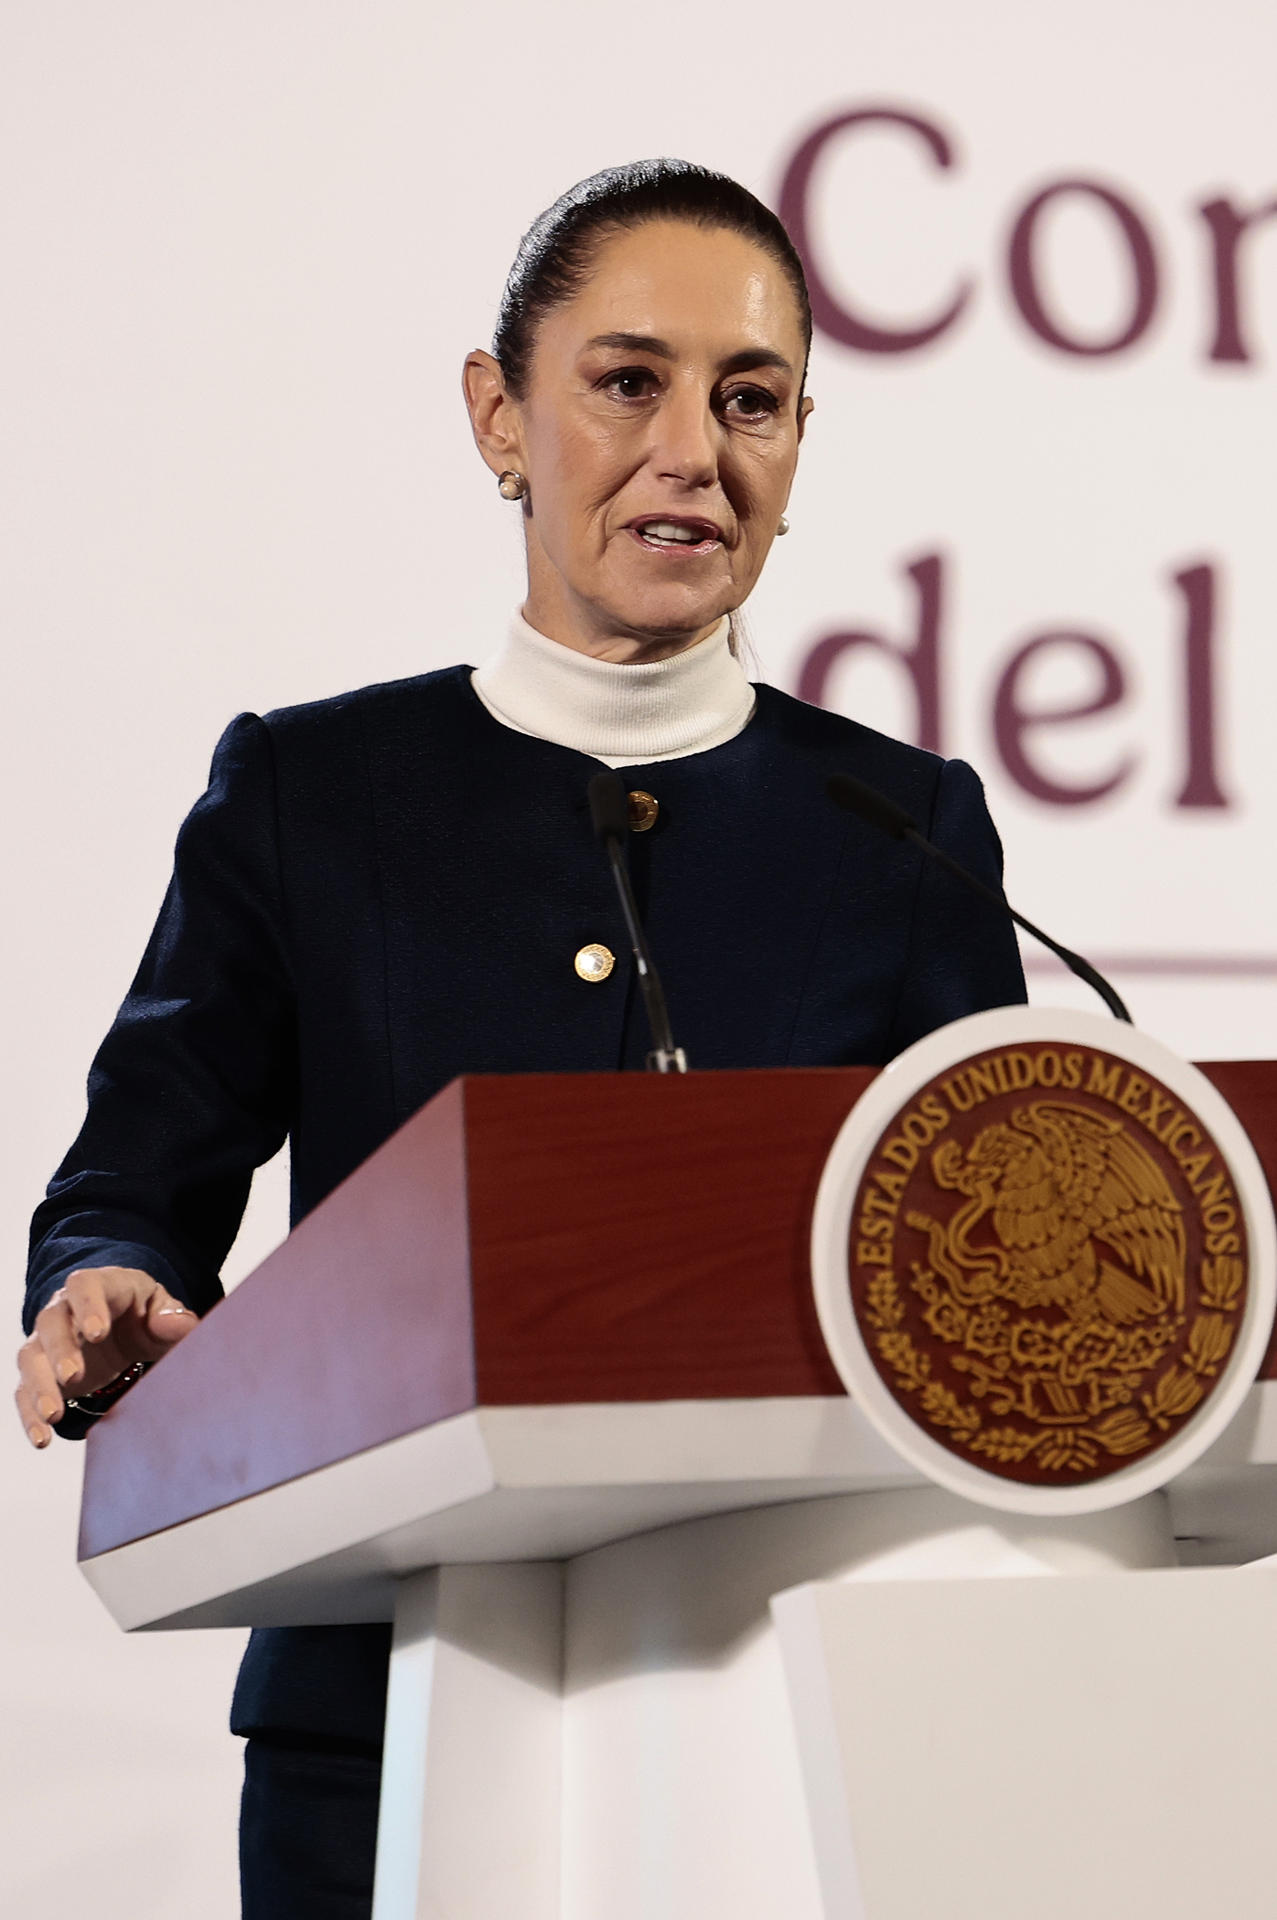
x,y
512,486
784,525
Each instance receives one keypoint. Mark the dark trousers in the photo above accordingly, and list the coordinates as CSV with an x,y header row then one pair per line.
x,y
308,1828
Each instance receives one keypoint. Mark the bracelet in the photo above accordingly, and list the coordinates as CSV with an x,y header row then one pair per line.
x,y
102,1399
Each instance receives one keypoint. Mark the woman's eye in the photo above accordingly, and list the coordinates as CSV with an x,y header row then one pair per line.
x,y
748,403
631,383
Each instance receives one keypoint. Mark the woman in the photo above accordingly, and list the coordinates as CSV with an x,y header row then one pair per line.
x,y
384,890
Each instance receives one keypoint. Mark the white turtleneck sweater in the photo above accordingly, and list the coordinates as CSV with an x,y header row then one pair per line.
x,y
622,715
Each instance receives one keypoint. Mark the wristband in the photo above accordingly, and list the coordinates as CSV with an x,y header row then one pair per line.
x,y
102,1399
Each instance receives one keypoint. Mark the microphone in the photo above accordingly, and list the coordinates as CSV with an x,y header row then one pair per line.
x,y
609,813
853,796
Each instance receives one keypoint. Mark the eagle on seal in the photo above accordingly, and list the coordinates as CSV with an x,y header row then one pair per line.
x,y
1056,1180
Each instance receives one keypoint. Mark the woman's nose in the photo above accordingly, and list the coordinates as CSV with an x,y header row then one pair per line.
x,y
685,446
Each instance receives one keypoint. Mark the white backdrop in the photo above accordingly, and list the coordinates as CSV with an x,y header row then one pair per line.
x,y
245,248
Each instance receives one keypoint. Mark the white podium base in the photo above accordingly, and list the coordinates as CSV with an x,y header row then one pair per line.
x,y
470,1799
991,1750
612,1739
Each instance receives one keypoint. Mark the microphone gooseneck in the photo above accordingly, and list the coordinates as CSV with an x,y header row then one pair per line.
x,y
609,815
853,796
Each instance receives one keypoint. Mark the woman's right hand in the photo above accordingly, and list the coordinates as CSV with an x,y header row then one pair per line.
x,y
95,1328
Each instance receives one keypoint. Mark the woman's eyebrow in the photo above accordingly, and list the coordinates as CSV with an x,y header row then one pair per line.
x,y
755,357
648,343
634,342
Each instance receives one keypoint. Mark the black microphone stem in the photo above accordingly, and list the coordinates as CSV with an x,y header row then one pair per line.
x,y
609,817
1074,961
665,1057
877,810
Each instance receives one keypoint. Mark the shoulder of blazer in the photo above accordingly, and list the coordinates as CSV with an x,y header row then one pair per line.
x,y
908,774
437,716
415,700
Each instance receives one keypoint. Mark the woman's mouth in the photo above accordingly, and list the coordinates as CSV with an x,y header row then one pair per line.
x,y
676,535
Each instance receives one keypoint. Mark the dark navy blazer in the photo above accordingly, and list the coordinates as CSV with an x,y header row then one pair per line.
x,y
382,891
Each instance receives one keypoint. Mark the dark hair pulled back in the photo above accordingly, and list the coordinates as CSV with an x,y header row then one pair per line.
x,y
556,253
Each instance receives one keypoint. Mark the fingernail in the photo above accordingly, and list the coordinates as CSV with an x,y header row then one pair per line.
x,y
39,1436
67,1370
95,1329
161,1311
47,1408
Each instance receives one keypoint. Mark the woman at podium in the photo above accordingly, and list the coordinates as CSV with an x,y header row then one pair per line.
x,y
382,891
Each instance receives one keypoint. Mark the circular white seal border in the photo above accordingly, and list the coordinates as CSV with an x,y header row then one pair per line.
x,y
888,1096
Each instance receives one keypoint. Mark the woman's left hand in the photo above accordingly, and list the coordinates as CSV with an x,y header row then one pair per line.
x,y
97,1326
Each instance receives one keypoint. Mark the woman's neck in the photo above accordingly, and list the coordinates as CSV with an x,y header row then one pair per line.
x,y
624,714
581,630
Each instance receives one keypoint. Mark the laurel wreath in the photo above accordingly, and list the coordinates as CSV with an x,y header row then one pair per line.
x,y
1119,1433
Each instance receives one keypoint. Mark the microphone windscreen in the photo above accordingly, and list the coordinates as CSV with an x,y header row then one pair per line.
x,y
866,802
609,806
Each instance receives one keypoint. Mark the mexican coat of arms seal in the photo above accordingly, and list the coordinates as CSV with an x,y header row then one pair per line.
x,y
1041,1256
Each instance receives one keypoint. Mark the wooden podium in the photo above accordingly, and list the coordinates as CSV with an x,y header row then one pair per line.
x,y
543,1383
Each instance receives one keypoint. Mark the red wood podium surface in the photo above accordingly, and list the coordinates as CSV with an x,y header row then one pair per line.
x,y
523,1241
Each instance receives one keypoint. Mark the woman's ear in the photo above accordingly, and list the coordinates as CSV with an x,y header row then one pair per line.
x,y
803,411
494,413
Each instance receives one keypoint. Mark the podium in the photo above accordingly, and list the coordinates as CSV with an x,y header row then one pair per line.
x,y
543,1383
